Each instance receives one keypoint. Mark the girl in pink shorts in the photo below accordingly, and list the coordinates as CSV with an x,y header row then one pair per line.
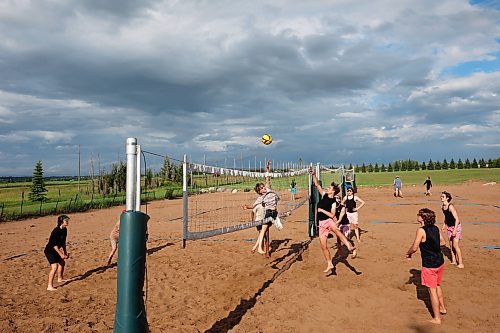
x,y
325,214
453,227
429,240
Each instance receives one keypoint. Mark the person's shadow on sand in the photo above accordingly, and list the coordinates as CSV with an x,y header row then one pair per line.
x,y
341,257
446,251
422,292
275,244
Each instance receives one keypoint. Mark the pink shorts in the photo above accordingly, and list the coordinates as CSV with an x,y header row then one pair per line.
x,y
325,226
352,217
431,277
459,231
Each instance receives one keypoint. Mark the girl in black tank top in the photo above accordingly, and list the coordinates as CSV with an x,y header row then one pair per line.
x,y
350,202
326,226
453,228
429,240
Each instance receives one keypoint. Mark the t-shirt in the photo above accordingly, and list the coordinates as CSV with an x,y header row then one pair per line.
x,y
325,203
428,183
270,199
258,213
57,238
397,182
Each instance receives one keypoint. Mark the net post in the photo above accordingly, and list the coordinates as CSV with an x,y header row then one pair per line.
x,y
184,202
130,312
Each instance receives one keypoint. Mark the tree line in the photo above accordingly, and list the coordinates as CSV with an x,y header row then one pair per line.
x,y
112,182
412,165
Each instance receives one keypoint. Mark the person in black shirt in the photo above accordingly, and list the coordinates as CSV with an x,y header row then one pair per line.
x,y
429,240
55,251
325,215
428,186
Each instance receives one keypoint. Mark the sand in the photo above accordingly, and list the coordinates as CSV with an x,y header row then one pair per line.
x,y
217,285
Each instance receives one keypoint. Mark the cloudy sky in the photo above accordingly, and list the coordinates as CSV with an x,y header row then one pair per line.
x,y
333,81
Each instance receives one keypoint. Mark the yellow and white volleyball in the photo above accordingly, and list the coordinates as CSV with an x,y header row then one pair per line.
x,y
267,139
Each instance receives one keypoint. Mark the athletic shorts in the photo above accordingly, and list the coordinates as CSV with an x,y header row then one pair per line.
x,y
325,226
294,190
352,217
345,229
269,217
459,231
431,277
53,257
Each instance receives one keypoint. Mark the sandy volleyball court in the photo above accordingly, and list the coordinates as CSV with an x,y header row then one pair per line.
x,y
217,285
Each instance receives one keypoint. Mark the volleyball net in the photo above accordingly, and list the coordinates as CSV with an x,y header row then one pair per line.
x,y
214,197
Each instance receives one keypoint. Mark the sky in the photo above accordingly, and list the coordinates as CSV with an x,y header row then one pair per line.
x,y
333,81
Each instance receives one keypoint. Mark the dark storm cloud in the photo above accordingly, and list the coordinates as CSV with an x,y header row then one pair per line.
x,y
331,80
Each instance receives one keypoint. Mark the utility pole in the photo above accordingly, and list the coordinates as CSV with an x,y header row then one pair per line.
x,y
78,168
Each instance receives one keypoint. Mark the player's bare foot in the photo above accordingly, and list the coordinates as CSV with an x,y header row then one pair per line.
x,y
354,253
460,266
435,321
261,251
443,311
51,288
62,280
328,268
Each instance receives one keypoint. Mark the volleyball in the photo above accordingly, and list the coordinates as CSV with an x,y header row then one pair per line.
x,y
267,139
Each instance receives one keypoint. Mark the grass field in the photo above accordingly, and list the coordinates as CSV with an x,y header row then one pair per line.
x,y
63,196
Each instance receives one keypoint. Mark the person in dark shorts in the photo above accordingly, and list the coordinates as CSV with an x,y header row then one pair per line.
x,y
428,186
269,200
55,251
429,240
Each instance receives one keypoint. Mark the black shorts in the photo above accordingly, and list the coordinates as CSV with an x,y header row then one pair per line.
x,y
269,214
53,257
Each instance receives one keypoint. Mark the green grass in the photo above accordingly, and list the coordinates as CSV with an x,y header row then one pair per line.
x,y
418,177
63,196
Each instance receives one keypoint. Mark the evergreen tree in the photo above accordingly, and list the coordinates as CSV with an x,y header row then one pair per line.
x,y
389,168
460,164
363,168
474,164
444,166
356,168
350,166
404,165
370,167
165,170
437,165
424,167
452,164
467,164
482,163
38,192
490,163
148,179
376,168
382,168
397,166
416,166
430,165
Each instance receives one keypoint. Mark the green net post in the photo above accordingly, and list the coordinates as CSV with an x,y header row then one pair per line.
x,y
130,313
313,206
